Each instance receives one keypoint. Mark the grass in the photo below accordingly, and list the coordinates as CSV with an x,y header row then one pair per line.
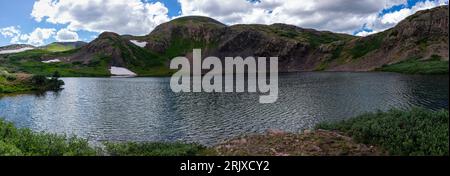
x,y
138,60
433,66
8,85
24,142
37,54
366,45
55,47
19,83
30,62
153,149
407,133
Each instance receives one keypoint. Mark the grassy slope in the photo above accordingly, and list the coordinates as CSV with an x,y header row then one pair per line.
x,y
54,47
414,66
19,83
144,62
30,62
10,84
415,132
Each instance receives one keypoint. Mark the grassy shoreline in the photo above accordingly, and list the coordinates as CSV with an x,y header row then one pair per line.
x,y
405,133
414,66
24,83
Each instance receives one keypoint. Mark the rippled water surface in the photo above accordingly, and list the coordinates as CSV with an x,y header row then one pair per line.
x,y
145,109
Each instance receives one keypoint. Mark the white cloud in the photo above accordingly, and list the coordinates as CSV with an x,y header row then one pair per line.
x,y
65,35
389,20
365,33
121,16
397,16
138,17
10,31
335,15
37,37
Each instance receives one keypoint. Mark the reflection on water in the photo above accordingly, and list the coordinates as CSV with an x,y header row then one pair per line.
x,y
145,109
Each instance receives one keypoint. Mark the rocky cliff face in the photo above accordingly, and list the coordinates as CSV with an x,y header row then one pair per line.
x,y
421,35
120,52
293,45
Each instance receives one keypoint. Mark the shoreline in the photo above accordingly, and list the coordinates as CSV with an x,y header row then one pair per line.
x,y
281,73
343,138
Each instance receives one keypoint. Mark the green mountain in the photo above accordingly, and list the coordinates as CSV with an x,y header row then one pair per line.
x,y
418,44
63,46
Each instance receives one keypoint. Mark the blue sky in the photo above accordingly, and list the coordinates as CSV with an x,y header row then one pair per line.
x,y
76,23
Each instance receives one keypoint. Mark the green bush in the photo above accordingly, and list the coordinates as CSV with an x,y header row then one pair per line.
x,y
39,80
43,83
24,142
416,132
11,78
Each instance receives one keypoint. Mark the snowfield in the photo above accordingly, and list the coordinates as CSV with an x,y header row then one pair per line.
x,y
52,61
15,50
120,71
138,43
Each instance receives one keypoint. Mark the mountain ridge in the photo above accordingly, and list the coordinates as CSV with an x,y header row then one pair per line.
x,y
421,36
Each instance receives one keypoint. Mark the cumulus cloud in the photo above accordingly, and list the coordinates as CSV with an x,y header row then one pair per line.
x,y
65,35
122,16
10,31
333,15
388,20
37,37
397,16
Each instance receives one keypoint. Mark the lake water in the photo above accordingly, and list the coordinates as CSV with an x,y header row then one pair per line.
x,y
145,109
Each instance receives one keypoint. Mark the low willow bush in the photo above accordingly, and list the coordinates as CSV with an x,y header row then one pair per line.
x,y
24,142
406,133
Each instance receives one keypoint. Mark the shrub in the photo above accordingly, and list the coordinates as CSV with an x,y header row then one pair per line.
x,y
39,80
24,142
415,132
11,78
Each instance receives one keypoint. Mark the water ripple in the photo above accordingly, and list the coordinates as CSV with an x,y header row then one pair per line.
x,y
145,109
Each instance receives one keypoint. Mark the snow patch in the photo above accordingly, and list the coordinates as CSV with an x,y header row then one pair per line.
x,y
138,43
52,61
15,50
120,71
